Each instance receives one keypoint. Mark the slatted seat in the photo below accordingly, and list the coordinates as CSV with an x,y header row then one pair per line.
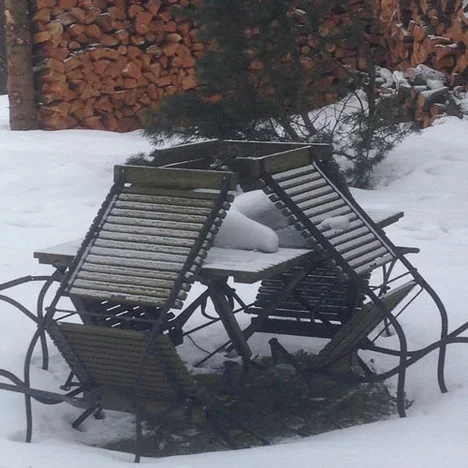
x,y
110,359
149,239
339,355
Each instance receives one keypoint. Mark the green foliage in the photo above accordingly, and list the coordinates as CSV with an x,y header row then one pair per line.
x,y
254,85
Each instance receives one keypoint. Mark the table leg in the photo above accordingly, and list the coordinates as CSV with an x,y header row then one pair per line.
x,y
226,314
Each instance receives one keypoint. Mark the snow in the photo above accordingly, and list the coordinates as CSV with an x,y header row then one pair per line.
x,y
241,232
52,185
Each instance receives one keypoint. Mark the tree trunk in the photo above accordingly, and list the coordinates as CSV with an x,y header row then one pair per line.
x,y
20,70
3,61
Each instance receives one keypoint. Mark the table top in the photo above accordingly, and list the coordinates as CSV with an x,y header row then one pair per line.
x,y
245,266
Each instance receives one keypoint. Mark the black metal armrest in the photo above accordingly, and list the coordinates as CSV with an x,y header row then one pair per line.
x,y
407,250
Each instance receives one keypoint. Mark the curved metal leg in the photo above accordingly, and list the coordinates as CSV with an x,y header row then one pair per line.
x,y
403,352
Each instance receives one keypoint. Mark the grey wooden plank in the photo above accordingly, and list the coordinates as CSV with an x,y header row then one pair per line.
x,y
125,203
148,239
299,180
142,247
369,257
356,229
128,288
322,189
318,201
363,249
155,215
137,254
155,232
180,179
127,298
134,263
116,278
185,225
317,219
306,187
129,271
357,241
301,171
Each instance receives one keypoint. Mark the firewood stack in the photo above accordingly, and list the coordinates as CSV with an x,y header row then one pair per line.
x,y
430,32
422,94
102,64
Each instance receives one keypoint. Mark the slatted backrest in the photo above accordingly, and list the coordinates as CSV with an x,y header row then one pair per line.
x,y
323,214
150,236
350,336
112,357
320,295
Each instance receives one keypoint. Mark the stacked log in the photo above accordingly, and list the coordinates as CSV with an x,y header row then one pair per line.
x,y
423,95
430,32
102,64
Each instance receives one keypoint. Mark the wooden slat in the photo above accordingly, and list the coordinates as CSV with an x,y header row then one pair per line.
x,y
317,219
369,257
359,251
364,269
357,230
307,187
318,201
137,222
300,180
134,263
114,278
324,189
128,271
293,173
155,215
142,247
147,239
129,298
137,254
155,232
181,179
125,203
128,288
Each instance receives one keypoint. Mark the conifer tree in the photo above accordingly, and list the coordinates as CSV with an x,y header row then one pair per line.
x,y
254,84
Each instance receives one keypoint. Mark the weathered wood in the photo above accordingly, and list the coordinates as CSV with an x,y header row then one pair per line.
x,y
136,254
351,335
154,206
148,239
129,245
318,201
155,232
132,272
116,278
170,197
126,298
181,179
162,223
134,263
155,215
127,288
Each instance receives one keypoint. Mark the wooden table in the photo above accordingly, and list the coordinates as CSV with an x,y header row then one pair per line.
x,y
220,264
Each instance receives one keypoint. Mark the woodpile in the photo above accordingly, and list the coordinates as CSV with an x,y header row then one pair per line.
x,y
429,32
102,64
422,94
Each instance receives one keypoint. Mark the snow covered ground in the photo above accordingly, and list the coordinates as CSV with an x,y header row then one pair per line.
x,y
52,184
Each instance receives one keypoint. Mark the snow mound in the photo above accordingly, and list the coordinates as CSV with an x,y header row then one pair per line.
x,y
240,232
257,206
